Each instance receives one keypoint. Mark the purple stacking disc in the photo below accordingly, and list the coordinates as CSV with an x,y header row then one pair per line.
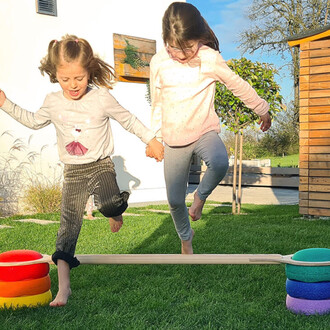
x,y
305,290
308,307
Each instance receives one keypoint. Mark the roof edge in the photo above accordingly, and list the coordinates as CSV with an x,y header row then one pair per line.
x,y
309,35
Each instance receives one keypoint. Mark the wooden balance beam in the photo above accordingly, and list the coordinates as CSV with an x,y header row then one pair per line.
x,y
177,259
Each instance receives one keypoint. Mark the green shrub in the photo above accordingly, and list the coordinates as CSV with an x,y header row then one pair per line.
x,y
43,197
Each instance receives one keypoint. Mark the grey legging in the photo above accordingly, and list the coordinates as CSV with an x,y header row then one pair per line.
x,y
177,162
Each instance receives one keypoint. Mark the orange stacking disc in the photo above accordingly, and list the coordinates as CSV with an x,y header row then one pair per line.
x,y
26,301
19,273
25,288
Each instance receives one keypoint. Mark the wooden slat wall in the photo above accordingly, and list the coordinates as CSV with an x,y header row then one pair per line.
x,y
314,161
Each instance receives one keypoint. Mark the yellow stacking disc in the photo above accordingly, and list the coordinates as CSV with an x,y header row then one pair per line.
x,y
26,301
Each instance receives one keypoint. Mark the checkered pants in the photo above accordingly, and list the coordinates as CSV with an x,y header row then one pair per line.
x,y
81,181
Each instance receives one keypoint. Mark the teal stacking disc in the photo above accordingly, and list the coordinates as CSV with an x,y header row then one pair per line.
x,y
309,273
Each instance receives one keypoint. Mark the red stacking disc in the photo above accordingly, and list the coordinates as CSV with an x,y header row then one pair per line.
x,y
20,273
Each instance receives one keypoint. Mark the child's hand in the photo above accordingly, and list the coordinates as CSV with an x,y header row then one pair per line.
x,y
2,98
265,122
155,149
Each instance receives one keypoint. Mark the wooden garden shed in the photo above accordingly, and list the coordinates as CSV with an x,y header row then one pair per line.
x,y
314,117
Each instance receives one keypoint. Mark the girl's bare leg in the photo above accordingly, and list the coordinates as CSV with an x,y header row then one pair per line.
x,y
196,208
116,223
186,246
64,290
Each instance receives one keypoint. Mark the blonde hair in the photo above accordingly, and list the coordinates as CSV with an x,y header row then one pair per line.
x,y
70,49
182,22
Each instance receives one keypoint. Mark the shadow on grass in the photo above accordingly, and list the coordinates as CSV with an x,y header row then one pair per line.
x,y
258,230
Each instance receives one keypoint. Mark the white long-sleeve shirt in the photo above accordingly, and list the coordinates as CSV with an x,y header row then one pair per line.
x,y
182,95
85,122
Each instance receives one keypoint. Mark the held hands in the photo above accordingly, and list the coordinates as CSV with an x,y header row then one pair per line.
x,y
265,122
155,149
2,97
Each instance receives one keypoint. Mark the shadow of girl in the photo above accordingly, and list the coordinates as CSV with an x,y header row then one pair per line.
x,y
124,178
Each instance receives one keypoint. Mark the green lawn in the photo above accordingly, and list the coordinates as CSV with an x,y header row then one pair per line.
x,y
285,161
173,296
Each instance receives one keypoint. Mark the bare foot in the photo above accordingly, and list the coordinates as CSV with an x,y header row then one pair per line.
x,y
116,223
186,246
196,208
61,298
89,217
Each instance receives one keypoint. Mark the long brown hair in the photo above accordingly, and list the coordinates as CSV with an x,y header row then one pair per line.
x,y
182,22
72,48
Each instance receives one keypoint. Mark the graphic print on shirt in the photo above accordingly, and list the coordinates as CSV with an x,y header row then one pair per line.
x,y
75,148
78,124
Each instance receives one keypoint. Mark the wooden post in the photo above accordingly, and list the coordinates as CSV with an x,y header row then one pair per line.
x,y
235,175
239,196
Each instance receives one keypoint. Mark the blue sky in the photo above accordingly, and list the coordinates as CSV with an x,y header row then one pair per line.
x,y
227,18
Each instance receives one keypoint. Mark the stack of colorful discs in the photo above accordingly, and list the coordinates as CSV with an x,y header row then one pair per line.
x,y
24,286
308,287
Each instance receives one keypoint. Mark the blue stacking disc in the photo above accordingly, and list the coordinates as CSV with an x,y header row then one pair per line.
x,y
309,273
308,290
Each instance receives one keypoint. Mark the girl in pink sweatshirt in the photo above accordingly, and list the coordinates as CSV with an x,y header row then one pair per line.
x,y
182,82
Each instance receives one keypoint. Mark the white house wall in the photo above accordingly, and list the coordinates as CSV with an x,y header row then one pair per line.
x,y
25,35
